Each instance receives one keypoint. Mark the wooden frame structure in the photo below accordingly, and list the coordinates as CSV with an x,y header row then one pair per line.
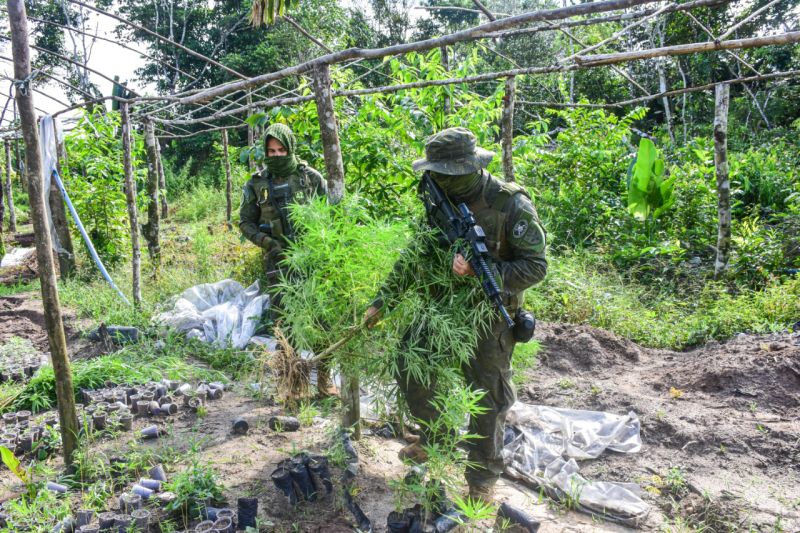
x,y
211,109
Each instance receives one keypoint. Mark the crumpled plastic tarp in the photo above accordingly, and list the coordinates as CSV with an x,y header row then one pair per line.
x,y
16,257
543,443
223,313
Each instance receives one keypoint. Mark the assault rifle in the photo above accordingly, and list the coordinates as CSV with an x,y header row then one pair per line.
x,y
462,225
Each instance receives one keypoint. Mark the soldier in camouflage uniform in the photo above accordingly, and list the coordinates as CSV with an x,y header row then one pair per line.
x,y
516,242
264,212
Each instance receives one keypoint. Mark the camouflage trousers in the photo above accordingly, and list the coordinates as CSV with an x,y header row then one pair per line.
x,y
273,273
489,369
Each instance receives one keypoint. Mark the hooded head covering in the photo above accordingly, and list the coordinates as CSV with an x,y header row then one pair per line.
x,y
281,165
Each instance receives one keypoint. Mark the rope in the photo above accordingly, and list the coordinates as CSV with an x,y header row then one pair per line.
x,y
23,85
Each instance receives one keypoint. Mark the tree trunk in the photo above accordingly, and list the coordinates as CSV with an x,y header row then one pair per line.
x,y
58,213
507,129
44,252
228,183
151,229
332,151
130,197
12,216
723,182
162,184
334,168
662,82
23,178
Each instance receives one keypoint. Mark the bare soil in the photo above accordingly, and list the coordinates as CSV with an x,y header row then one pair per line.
x,y
22,316
725,414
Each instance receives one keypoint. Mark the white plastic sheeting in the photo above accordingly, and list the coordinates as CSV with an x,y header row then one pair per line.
x,y
223,313
50,134
543,444
16,257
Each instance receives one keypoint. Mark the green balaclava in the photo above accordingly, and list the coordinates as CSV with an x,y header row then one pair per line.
x,y
459,187
281,166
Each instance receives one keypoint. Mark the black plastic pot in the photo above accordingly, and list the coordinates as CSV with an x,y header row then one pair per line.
x,y
318,466
157,473
398,522
150,432
283,423
152,484
518,517
240,426
122,522
84,516
143,492
141,519
247,511
282,479
55,487
448,521
106,521
301,476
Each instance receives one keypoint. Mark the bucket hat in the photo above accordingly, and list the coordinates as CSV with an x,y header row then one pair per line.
x,y
453,151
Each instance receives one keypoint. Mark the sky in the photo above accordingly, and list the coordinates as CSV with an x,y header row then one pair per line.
x,y
108,58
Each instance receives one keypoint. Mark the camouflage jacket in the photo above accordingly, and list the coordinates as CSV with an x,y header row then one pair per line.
x,y
259,206
514,236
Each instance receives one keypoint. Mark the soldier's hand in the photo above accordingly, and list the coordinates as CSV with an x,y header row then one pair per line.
x,y
461,266
371,316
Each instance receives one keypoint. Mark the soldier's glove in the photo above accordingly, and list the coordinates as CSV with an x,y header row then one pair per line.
x,y
268,243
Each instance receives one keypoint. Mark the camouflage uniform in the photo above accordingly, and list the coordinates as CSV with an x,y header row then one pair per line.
x,y
260,207
265,200
516,242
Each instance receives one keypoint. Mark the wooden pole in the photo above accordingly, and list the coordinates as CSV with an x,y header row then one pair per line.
x,y
507,128
58,215
332,151
44,252
446,67
130,197
228,183
251,138
334,168
12,216
723,182
151,229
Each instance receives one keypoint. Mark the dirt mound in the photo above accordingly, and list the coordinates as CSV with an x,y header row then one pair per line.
x,y
765,369
22,317
725,415
566,347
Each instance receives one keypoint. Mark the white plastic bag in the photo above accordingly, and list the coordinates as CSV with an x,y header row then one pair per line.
x,y
223,313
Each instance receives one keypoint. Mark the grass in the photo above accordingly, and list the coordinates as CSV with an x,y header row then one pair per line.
x,y
582,289
137,363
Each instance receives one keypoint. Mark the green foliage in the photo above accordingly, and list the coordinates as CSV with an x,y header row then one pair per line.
x,y
585,289
335,269
195,488
446,460
524,358
137,363
36,512
649,194
94,178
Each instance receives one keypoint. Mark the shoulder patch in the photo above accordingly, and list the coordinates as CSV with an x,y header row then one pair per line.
x,y
527,232
520,228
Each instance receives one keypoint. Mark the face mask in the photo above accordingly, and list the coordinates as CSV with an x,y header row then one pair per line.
x,y
456,186
281,165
